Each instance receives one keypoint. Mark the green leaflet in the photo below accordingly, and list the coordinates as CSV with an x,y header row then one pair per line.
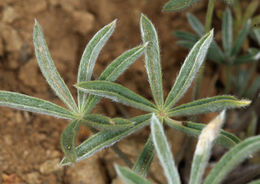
x,y
89,57
186,36
233,158
227,31
114,70
163,151
130,177
203,148
250,10
177,5
116,93
101,122
68,139
144,160
241,38
224,139
106,139
186,44
206,105
152,59
189,69
32,104
195,24
49,70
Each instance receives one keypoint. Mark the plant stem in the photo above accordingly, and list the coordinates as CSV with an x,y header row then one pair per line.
x,y
209,15
228,79
122,155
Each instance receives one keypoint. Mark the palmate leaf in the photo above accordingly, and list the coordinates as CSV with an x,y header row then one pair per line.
x,y
227,31
163,151
49,70
224,139
89,57
68,139
144,160
189,69
106,139
116,93
152,59
32,104
101,122
233,158
206,105
203,148
114,70
130,177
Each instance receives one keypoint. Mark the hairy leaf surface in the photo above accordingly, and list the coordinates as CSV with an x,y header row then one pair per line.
x,y
164,152
152,59
49,70
129,176
106,139
232,159
68,139
32,104
90,55
206,105
116,93
189,69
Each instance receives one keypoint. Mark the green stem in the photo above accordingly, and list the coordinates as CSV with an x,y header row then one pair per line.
x,y
209,15
228,79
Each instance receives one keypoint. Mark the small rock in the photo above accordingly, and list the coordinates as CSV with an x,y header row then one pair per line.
x,y
87,171
11,38
83,21
50,166
11,179
33,178
29,78
9,15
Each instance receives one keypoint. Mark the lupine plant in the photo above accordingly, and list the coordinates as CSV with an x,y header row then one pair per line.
x,y
221,169
76,114
163,109
107,130
230,56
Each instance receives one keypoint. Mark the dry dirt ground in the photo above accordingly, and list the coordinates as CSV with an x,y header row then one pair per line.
x,y
30,150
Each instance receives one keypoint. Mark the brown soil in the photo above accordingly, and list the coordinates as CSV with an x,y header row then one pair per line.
x,y
30,150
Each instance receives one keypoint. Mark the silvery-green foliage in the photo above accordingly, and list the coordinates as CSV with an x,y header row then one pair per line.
x,y
203,148
113,130
221,169
163,151
162,110
79,114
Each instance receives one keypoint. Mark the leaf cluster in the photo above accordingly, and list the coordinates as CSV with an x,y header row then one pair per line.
x,y
107,130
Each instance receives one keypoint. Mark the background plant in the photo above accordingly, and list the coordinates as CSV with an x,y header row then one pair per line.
x,y
230,56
